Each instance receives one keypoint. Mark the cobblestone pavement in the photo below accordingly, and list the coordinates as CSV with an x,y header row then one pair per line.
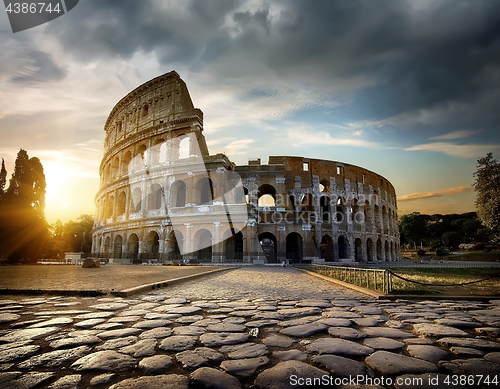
x,y
251,328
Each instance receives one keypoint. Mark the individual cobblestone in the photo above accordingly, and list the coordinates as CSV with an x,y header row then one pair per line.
x,y
248,328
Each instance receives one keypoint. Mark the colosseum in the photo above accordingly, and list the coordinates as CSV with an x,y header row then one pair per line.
x,y
163,197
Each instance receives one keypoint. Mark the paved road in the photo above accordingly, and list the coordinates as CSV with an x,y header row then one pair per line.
x,y
251,328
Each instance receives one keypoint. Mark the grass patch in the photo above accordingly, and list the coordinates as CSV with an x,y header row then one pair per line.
x,y
434,279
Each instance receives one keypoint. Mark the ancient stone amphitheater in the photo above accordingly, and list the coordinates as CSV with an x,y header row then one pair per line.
x,y
163,197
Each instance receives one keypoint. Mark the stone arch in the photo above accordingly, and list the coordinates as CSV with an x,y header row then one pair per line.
x,y
358,250
118,245
380,253
393,257
324,209
204,191
115,168
155,197
308,203
156,151
343,247
339,210
111,204
121,203
183,146
234,245
385,222
107,247
294,249
178,193
269,244
369,250
126,162
203,240
367,215
324,186
376,214
141,156
386,251
357,216
153,244
266,195
133,248
136,200
327,248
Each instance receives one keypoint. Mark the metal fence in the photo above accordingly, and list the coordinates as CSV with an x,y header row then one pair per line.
x,y
375,279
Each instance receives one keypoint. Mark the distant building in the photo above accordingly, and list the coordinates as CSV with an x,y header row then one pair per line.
x,y
163,197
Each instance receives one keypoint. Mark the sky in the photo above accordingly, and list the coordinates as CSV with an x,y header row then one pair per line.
x,y
406,88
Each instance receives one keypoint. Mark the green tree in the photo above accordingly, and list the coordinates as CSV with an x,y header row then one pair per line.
x,y
23,230
3,180
452,239
413,227
487,186
471,226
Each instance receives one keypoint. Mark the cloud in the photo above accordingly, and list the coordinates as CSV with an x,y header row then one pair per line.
x,y
324,138
441,193
454,135
454,150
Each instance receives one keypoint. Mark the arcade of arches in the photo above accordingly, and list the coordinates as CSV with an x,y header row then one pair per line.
x,y
164,197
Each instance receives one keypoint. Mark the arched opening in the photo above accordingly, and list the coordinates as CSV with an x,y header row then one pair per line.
x,y
178,193
376,214
204,189
234,246
126,163
153,243
155,195
107,247
155,157
115,168
327,249
324,186
366,215
269,246
111,205
393,258
162,156
369,250
324,206
120,206
266,195
183,146
380,254
308,203
339,210
136,200
387,252
358,250
385,220
142,157
117,252
294,247
343,249
204,239
174,245
133,248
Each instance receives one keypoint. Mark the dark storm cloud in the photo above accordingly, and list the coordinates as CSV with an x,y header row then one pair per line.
x,y
446,52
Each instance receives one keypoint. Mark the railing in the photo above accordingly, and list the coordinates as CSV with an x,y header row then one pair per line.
x,y
375,279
